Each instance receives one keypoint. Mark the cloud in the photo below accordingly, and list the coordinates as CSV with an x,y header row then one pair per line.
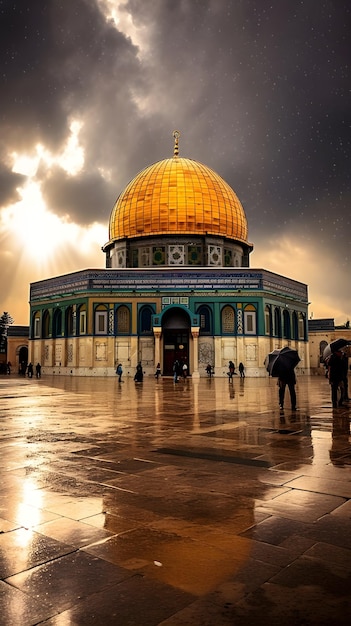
x,y
259,91
56,57
9,181
83,199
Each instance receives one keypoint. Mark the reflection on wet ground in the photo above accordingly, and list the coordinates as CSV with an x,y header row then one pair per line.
x,y
161,504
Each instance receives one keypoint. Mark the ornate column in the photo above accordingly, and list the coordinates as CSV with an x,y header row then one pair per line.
x,y
134,355
195,335
218,356
157,334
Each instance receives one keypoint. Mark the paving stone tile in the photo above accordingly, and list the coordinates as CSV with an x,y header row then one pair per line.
x,y
344,510
275,530
17,608
331,529
202,612
331,554
320,485
6,526
76,534
22,549
152,603
67,580
328,575
301,505
276,605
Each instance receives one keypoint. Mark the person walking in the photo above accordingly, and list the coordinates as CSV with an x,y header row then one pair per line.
x,y
242,370
176,368
209,370
336,378
287,379
158,371
139,373
231,372
38,370
30,370
119,372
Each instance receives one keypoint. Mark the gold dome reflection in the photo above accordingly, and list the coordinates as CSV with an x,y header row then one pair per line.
x,y
29,509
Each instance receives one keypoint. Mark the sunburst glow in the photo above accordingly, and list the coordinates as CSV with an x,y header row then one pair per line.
x,y
70,158
42,233
39,231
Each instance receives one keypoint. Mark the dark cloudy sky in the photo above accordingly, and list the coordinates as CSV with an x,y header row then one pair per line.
x,y
91,91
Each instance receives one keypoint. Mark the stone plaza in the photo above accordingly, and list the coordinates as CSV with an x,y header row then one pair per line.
x,y
160,504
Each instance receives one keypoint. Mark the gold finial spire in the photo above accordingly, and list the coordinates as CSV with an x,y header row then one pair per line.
x,y
176,135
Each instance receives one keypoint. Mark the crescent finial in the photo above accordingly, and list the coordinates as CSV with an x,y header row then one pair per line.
x,y
176,135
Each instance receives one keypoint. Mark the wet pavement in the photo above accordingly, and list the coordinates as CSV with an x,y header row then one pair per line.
x,y
162,504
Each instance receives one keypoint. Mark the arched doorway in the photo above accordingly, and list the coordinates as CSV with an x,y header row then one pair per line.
x,y
22,359
176,333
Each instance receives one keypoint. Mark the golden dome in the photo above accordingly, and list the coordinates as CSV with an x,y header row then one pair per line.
x,y
178,196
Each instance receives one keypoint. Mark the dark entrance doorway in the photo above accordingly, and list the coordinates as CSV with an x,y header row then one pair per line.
x,y
176,326
175,347
22,360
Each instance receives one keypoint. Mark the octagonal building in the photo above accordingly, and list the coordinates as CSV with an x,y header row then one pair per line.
x,y
176,286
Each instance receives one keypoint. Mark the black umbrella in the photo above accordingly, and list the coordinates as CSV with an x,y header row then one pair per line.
x,y
270,358
281,362
334,346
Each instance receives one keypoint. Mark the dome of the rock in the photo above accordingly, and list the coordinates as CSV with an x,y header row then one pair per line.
x,y
178,196
177,211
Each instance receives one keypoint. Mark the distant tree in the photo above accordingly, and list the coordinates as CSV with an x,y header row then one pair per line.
x,y
347,325
5,321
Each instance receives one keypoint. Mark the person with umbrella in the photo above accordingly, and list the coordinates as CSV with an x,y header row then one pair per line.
x,y
334,346
345,366
281,364
336,377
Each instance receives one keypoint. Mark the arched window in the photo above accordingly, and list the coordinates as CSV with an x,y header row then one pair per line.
x,y
228,320
228,257
301,326
322,347
145,318
250,321
46,324
57,323
295,326
268,321
36,325
286,324
69,324
277,323
145,254
123,320
101,320
82,320
205,315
